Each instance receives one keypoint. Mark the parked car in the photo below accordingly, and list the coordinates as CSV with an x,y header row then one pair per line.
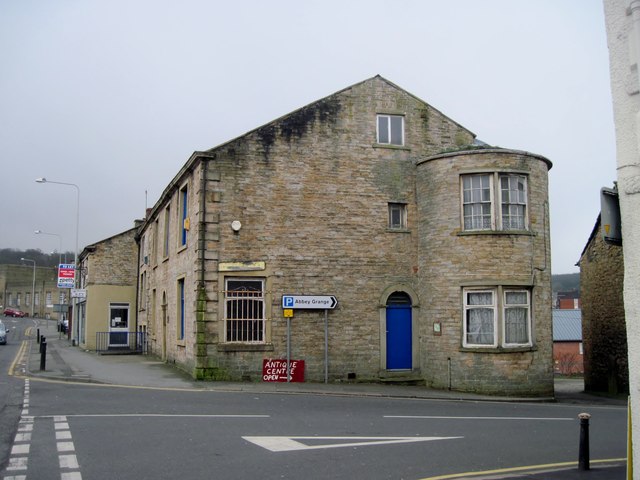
x,y
13,312
63,325
3,334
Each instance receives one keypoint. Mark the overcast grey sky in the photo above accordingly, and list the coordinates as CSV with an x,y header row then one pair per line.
x,y
115,95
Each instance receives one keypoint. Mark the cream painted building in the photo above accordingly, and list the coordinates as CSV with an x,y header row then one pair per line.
x,y
623,35
107,316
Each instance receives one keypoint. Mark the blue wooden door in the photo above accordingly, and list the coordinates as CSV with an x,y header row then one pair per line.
x,y
399,337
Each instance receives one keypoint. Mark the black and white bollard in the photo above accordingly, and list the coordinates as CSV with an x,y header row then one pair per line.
x,y
583,454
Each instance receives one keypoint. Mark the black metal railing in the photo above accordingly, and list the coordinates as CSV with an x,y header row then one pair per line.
x,y
121,342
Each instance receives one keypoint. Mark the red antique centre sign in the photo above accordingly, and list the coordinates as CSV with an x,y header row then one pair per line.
x,y
275,370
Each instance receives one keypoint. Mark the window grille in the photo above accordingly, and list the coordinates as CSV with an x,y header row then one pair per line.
x,y
244,310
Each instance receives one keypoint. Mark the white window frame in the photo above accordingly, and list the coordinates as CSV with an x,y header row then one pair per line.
x,y
496,203
469,193
467,311
389,131
499,306
397,216
507,306
513,202
251,325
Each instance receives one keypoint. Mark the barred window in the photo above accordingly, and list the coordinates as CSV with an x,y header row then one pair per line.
x,y
244,310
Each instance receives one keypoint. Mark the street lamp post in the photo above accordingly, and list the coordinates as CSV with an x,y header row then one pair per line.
x,y
33,283
76,329
40,232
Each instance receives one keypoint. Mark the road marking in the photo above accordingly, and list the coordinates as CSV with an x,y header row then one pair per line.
x,y
19,459
160,415
288,444
68,461
20,449
435,417
18,358
528,468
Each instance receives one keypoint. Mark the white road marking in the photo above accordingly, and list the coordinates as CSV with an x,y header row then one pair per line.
x,y
434,417
20,449
17,463
160,415
68,461
65,447
288,444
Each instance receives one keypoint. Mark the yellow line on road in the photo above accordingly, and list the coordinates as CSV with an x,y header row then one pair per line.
x,y
529,468
19,356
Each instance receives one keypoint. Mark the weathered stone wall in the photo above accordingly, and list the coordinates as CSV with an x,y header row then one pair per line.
x,y
159,309
114,261
451,259
311,191
18,280
603,317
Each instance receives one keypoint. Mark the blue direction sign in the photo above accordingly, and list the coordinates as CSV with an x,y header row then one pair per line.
x,y
315,302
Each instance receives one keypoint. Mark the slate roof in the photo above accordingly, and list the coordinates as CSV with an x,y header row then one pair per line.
x,y
567,325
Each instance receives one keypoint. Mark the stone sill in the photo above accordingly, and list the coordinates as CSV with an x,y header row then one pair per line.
x,y
245,347
391,147
464,233
498,349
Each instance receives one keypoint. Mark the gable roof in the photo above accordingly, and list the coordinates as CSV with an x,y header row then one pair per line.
x,y
211,152
324,99
567,325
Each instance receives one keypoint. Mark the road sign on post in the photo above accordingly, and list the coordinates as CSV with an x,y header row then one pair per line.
x,y
313,302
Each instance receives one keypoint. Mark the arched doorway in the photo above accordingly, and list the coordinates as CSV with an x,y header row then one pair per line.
x,y
399,332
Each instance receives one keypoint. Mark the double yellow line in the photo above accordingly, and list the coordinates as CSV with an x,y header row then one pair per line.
x,y
21,352
528,469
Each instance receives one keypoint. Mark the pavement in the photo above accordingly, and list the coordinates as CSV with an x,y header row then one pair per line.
x,y
65,362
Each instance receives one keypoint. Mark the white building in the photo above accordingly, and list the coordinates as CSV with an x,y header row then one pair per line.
x,y
622,19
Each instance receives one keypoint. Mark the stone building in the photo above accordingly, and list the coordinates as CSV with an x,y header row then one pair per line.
x,y
435,245
17,286
603,316
108,274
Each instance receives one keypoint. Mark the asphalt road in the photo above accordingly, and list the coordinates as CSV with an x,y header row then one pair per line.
x,y
92,431
130,433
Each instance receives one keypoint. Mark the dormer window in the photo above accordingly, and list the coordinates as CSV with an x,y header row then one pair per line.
x,y
391,130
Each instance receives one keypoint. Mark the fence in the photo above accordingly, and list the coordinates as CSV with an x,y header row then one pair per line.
x,y
121,342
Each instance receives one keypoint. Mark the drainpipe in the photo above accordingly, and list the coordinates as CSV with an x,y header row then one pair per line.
x,y
203,206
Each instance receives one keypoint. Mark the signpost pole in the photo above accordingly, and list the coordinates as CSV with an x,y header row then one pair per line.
x,y
288,349
326,346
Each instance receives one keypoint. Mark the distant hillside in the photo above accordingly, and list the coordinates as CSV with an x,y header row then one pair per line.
x,y
560,283
567,282
11,256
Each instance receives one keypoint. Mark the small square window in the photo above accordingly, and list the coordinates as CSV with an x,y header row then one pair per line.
x,y
391,129
397,216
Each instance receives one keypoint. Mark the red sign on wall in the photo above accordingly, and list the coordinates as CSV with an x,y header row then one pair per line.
x,y
275,370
